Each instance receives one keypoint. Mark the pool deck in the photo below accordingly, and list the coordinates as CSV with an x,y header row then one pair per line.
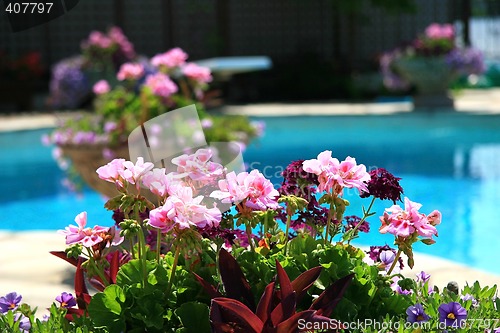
x,y
27,267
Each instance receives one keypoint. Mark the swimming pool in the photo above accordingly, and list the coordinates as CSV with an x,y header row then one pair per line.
x,y
449,162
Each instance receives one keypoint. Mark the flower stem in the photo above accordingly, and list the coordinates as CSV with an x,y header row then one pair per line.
x,y
174,268
287,230
249,236
396,259
158,245
329,221
365,215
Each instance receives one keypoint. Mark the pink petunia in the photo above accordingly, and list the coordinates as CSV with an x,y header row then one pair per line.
x,y
161,85
130,71
170,59
101,87
197,73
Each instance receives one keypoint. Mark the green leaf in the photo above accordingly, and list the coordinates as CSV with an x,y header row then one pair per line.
x,y
194,316
106,309
131,273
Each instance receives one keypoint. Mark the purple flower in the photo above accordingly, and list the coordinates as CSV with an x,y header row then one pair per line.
x,y
24,322
66,300
423,277
452,314
383,185
375,254
10,302
469,297
416,314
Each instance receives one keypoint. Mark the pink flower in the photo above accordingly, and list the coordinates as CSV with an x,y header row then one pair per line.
x,y
181,210
172,58
132,173
112,172
87,237
161,85
197,73
253,188
198,166
434,217
160,183
403,223
335,175
98,39
101,87
130,71
438,31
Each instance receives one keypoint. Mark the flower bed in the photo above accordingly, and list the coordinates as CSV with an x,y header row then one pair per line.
x,y
273,261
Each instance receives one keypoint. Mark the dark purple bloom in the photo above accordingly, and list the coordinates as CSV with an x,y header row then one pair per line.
x,y
353,220
416,314
383,185
10,302
67,300
298,182
452,314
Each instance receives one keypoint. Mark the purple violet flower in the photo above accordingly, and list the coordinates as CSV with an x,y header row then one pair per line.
x,y
384,186
452,314
9,302
66,300
423,277
24,322
416,314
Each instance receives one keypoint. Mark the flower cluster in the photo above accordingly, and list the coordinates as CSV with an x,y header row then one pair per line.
x,y
438,42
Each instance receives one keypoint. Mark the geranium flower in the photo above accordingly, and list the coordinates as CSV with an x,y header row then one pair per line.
x,y
66,300
197,73
9,302
79,234
253,188
199,167
172,58
335,175
134,172
112,171
161,85
416,314
403,223
160,183
101,87
130,71
440,31
452,314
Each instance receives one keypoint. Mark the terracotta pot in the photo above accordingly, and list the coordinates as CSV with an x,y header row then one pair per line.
x,y
87,159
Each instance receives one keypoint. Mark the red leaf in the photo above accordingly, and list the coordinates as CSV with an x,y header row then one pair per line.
x,y
264,307
305,280
212,292
284,310
64,256
329,298
235,284
229,311
114,266
284,281
81,291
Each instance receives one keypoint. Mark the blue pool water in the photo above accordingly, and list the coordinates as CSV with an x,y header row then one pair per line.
x,y
449,162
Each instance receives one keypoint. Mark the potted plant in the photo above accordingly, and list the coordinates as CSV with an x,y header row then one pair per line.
x,y
277,261
430,63
140,90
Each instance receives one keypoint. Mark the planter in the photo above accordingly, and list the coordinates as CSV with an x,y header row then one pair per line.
x,y
86,159
431,78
